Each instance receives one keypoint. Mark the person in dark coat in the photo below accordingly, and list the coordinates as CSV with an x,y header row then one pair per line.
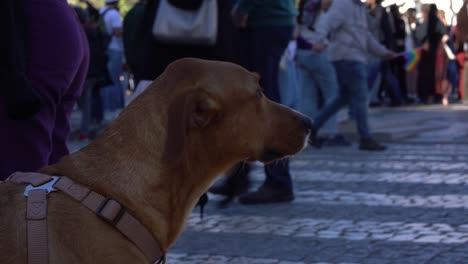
x,y
429,35
97,75
399,36
132,31
266,27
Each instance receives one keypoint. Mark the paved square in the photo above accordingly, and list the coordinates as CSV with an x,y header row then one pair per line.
x,y
408,204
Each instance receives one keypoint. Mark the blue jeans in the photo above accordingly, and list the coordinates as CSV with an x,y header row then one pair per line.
x,y
319,84
113,95
288,84
374,78
264,47
352,80
453,76
86,102
391,83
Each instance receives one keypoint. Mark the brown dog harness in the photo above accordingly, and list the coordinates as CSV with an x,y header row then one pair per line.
x,y
107,209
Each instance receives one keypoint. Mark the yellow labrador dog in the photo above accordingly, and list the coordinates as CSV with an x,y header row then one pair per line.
x,y
160,155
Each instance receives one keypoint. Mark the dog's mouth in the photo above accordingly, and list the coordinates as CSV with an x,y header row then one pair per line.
x,y
271,155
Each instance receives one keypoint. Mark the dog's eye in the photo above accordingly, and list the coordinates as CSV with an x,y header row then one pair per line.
x,y
259,94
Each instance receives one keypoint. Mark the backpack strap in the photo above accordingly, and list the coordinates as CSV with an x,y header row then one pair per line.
x,y
102,16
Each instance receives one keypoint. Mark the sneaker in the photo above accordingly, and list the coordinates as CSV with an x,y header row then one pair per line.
x,y
336,141
370,144
266,195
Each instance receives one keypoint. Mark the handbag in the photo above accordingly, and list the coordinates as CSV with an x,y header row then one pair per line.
x,y
182,26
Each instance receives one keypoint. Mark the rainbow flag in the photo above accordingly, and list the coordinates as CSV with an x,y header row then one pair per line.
x,y
412,59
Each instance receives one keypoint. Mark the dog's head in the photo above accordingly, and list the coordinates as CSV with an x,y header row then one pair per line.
x,y
220,107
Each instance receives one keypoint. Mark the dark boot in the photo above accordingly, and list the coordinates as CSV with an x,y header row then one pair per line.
x,y
201,203
369,144
236,183
313,139
266,194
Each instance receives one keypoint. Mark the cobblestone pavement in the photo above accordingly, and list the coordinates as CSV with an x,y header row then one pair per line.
x,y
406,205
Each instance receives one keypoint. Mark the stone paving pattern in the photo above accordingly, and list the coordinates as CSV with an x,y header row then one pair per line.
x,y
408,204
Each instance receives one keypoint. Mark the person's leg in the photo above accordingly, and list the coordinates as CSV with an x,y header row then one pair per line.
x,y
398,68
465,82
422,82
356,75
391,84
53,59
277,173
334,105
288,82
327,82
278,177
374,79
236,181
353,76
86,106
308,95
97,109
320,80
411,83
269,43
112,95
453,77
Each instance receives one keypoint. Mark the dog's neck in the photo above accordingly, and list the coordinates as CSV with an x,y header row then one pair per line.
x,y
123,163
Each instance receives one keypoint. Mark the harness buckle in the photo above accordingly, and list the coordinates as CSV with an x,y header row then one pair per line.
x,y
48,186
111,211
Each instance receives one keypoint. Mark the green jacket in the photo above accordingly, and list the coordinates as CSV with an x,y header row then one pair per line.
x,y
269,12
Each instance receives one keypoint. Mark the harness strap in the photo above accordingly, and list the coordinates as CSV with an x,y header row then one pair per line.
x,y
107,209
114,213
33,178
36,216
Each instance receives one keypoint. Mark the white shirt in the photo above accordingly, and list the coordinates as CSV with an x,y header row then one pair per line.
x,y
113,19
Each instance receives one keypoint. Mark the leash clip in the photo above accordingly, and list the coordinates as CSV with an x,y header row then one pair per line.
x,y
48,186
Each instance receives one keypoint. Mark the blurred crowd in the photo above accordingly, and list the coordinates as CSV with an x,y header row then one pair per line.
x,y
316,56
134,54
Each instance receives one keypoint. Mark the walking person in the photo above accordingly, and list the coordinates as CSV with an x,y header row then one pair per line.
x,y
42,80
398,65
97,75
318,83
267,29
411,23
381,26
113,95
349,48
132,32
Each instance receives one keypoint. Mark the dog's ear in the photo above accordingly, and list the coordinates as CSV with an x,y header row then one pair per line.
x,y
205,111
195,109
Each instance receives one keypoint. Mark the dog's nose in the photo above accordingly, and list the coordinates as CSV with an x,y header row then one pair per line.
x,y
308,124
311,128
